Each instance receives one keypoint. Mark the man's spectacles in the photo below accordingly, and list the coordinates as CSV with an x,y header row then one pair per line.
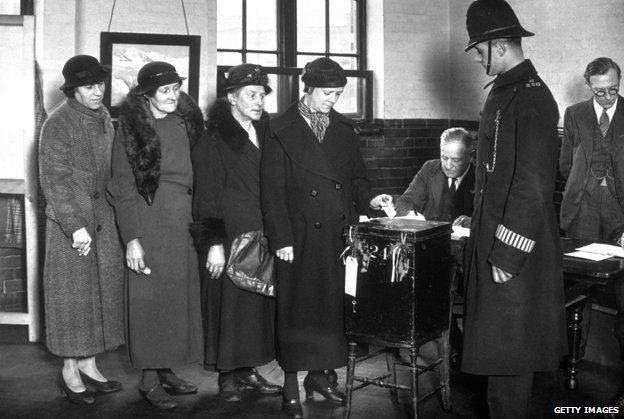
x,y
611,90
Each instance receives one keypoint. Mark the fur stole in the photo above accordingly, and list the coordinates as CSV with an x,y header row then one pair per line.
x,y
141,142
221,121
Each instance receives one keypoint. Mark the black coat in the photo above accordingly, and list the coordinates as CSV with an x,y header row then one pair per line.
x,y
516,327
238,325
310,192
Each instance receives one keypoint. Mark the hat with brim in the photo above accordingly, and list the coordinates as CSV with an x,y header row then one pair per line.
x,y
83,70
155,74
492,19
246,75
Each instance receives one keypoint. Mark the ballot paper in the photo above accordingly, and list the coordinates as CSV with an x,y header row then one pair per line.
x,y
603,249
459,231
588,255
389,210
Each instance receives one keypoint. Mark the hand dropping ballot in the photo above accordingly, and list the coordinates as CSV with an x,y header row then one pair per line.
x,y
389,210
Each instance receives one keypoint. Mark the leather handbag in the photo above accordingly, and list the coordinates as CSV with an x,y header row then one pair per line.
x,y
250,265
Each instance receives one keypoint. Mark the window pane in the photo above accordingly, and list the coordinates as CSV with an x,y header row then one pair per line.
x,y
302,60
261,24
343,26
348,102
348,63
230,24
229,58
266,60
270,100
310,25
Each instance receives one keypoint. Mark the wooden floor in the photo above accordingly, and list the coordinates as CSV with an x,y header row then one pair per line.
x,y
28,371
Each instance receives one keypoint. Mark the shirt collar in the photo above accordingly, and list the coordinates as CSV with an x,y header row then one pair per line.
x,y
458,179
598,109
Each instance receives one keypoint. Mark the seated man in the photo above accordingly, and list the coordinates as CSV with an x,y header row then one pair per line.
x,y
443,188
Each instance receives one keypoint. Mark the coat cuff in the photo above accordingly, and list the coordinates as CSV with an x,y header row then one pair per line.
x,y
510,250
207,232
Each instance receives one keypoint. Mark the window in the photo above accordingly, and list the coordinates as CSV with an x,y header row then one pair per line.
x,y
283,35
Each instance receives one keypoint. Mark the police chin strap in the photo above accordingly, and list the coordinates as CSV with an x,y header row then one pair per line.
x,y
489,61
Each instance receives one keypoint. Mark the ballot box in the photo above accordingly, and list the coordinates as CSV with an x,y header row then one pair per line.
x,y
402,281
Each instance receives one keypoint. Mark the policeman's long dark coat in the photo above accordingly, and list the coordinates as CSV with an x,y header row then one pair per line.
x,y
310,192
238,324
516,327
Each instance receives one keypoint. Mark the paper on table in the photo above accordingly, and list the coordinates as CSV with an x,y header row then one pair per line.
x,y
390,211
588,255
603,249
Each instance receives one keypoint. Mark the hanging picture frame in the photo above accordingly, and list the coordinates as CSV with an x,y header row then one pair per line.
x,y
125,53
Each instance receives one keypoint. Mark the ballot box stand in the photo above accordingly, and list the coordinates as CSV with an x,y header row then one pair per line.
x,y
402,300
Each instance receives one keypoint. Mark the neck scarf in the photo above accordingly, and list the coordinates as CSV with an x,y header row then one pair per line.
x,y
318,120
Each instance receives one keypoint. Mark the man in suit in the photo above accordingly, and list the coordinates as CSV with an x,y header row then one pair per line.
x,y
443,189
514,321
592,151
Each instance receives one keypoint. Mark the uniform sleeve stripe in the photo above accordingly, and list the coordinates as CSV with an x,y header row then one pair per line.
x,y
513,239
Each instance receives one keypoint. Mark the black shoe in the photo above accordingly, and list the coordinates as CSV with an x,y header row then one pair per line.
x,y
228,389
158,397
320,384
80,397
332,377
291,408
109,386
175,384
250,378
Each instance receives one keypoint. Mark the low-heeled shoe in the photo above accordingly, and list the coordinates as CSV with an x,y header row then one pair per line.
x,y
321,385
77,397
252,379
177,385
158,397
291,408
229,391
108,386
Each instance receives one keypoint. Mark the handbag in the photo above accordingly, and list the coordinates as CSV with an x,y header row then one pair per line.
x,y
250,265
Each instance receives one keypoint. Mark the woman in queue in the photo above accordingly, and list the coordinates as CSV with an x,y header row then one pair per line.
x,y
238,324
83,271
152,194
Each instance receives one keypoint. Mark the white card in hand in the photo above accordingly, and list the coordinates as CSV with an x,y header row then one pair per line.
x,y
351,267
390,211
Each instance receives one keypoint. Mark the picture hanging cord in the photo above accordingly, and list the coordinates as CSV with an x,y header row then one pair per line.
x,y
110,21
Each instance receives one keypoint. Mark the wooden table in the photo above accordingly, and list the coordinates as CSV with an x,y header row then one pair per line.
x,y
583,278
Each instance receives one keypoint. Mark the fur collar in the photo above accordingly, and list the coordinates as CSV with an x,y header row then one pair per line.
x,y
141,142
221,121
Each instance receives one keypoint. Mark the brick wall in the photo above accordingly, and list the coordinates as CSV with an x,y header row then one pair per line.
x,y
395,149
12,280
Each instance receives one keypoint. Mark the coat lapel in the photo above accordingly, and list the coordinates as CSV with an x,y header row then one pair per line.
x,y
299,142
587,126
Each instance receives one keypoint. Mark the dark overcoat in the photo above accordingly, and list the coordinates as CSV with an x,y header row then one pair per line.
x,y
577,149
310,192
425,193
83,294
151,190
238,324
516,327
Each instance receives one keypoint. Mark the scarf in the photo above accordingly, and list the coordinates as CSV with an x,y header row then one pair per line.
x,y
318,120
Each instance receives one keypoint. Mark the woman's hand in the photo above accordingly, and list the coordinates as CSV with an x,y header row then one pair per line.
x,y
380,201
215,261
135,256
82,241
286,254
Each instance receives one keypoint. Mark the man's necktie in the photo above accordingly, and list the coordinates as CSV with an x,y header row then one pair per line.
x,y
452,188
603,122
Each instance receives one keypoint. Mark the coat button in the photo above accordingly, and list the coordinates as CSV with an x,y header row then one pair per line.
x,y
313,192
338,186
98,228
342,217
96,195
190,191
480,191
317,225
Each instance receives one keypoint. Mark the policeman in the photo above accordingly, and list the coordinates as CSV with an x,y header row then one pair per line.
x,y
514,319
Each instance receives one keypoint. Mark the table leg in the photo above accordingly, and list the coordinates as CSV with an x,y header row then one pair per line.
x,y
414,380
391,355
574,344
349,383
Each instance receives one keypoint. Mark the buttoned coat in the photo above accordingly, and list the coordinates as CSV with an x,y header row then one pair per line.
x,y
238,324
577,147
83,294
516,327
424,193
310,192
